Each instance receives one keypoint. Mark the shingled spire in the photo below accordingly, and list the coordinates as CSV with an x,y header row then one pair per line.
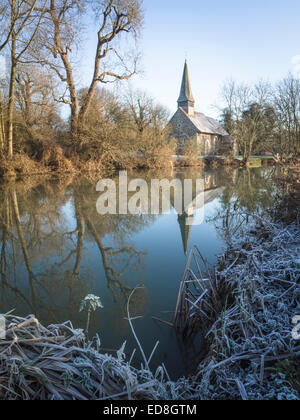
x,y
186,99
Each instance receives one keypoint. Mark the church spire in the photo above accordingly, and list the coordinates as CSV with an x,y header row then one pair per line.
x,y
186,99
185,230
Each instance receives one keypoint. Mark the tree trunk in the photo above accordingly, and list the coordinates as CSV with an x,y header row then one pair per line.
x,y
74,119
73,93
63,52
15,205
86,103
11,101
92,89
245,158
2,127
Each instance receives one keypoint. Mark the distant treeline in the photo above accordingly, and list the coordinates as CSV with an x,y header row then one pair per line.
x,y
264,118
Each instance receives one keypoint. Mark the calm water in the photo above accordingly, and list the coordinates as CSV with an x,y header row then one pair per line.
x,y
55,249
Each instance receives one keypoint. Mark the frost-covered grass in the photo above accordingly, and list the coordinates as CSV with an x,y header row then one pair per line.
x,y
38,363
252,353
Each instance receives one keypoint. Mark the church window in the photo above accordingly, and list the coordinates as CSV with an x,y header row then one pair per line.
x,y
207,147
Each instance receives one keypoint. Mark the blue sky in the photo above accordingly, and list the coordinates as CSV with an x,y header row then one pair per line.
x,y
239,39
222,39
244,40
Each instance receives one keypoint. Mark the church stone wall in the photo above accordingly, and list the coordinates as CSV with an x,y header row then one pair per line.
x,y
183,129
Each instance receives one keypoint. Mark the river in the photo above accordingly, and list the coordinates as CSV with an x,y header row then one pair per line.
x,y
56,249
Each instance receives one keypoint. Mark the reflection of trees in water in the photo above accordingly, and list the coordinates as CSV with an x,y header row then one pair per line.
x,y
118,259
48,230
41,261
23,218
250,191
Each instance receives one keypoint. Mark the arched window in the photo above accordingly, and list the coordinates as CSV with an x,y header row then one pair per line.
x,y
207,147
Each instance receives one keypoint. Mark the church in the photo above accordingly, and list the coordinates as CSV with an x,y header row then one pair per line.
x,y
186,124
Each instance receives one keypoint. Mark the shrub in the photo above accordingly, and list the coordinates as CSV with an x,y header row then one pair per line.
x,y
19,165
52,157
190,151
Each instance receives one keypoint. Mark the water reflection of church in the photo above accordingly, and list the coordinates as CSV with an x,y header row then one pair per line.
x,y
212,190
185,230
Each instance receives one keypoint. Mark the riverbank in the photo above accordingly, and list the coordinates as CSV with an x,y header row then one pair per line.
x,y
54,161
253,300
250,308
247,317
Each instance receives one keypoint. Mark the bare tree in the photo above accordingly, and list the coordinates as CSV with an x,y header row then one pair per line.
x,y
248,115
144,112
105,108
21,23
115,19
287,106
34,100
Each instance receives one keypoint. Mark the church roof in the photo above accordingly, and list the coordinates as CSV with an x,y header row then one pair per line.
x,y
206,124
186,90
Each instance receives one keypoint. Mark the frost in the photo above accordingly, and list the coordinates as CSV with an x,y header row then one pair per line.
x,y
257,326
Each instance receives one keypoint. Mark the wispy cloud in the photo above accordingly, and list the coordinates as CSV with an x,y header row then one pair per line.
x,y
296,66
